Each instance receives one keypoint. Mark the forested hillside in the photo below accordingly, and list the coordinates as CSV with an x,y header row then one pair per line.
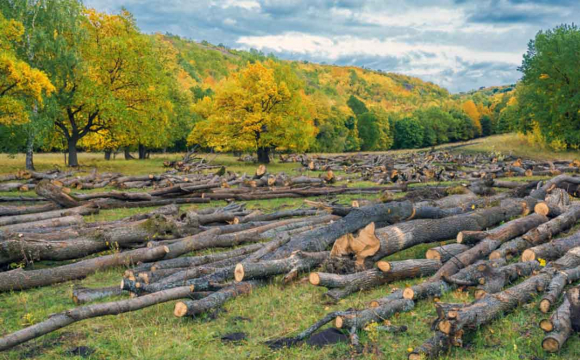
x,y
109,87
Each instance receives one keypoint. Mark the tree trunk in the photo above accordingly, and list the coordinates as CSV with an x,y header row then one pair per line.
x,y
72,151
142,152
82,295
298,261
264,155
108,154
128,155
30,152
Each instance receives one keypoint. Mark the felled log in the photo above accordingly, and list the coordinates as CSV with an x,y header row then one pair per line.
x,y
56,194
431,348
489,307
553,249
22,210
20,279
181,274
320,239
493,280
344,285
215,300
497,236
445,252
556,203
297,262
398,237
539,235
359,319
559,281
184,262
558,328
68,317
42,224
18,219
82,295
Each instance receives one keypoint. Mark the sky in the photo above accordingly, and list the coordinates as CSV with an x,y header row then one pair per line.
x,y
458,44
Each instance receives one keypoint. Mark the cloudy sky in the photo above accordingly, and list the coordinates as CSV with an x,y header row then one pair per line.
x,y
458,44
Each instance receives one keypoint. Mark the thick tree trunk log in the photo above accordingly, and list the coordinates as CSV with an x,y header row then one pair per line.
x,y
82,295
398,237
55,193
198,271
445,252
18,219
558,328
297,262
65,318
359,319
557,286
497,236
215,300
320,239
552,250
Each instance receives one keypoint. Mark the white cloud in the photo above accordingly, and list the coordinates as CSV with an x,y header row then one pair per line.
x,y
244,4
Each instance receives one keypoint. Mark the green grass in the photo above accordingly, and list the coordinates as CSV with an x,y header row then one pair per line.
x,y
272,311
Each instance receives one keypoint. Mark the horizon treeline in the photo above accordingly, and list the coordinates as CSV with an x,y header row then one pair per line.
x,y
73,78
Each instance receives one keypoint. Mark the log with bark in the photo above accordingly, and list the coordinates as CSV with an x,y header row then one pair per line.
x,y
496,237
297,262
556,287
56,194
18,219
539,235
558,327
553,249
68,317
82,295
215,300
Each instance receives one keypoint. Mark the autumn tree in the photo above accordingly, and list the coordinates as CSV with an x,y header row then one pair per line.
x,y
550,95
471,110
259,108
22,87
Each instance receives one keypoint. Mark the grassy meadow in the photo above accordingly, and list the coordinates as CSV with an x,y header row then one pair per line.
x,y
269,312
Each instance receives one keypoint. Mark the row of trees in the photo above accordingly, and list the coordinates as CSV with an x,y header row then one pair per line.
x,y
101,76
72,78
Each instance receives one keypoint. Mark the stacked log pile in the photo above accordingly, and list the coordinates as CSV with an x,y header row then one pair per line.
x,y
342,248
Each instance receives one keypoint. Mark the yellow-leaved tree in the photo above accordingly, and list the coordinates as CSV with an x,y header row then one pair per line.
x,y
20,85
259,108
471,110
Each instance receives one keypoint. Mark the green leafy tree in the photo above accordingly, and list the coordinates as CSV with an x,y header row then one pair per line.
x,y
408,133
552,85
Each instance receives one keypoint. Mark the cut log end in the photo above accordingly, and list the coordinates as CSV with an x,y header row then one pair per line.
x,y
445,326
495,255
542,209
338,322
180,309
546,325
479,294
384,266
408,293
239,272
417,356
545,306
314,279
550,344
433,254
374,304
528,255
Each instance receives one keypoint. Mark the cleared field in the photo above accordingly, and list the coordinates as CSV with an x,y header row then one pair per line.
x,y
269,312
